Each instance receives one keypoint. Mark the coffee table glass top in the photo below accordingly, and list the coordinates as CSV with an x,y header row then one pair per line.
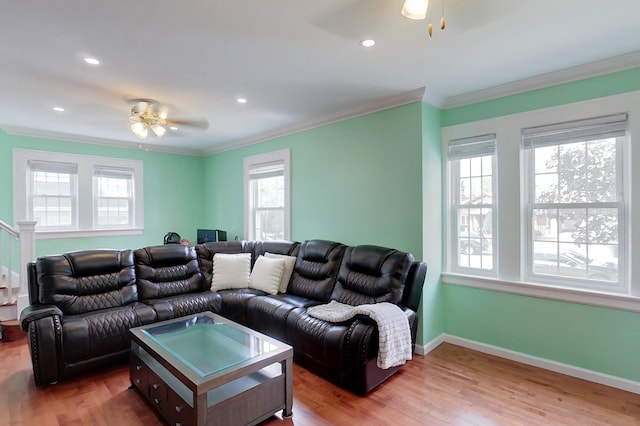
x,y
196,341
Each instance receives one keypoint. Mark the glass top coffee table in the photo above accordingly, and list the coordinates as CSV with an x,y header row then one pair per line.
x,y
204,369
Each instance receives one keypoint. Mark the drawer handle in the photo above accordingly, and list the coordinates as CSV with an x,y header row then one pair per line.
x,y
156,385
179,408
138,381
156,400
138,367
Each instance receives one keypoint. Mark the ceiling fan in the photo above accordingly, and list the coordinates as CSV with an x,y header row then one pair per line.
x,y
148,114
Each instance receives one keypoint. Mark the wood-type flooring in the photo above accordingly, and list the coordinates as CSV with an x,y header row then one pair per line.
x,y
450,386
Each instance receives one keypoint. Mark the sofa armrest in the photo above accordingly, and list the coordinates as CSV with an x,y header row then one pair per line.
x,y
45,341
35,312
413,286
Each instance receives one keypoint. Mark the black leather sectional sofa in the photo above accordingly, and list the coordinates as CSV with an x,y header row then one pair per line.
x,y
82,304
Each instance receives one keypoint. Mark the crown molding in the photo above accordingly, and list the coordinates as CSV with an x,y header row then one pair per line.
x,y
357,111
567,75
69,137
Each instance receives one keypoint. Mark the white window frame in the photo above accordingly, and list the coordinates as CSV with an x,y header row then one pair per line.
x,y
512,230
255,161
465,148
65,168
117,173
86,167
530,203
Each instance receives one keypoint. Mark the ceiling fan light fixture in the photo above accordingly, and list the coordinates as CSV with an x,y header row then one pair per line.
x,y
415,9
146,115
158,130
140,129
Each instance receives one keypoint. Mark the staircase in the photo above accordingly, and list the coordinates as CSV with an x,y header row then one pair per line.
x,y
17,248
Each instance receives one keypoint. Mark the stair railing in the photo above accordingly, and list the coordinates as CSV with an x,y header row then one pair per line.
x,y
17,248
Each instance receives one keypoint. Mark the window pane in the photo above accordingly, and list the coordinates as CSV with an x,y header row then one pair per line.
x,y
51,200
474,240
269,224
113,200
265,208
465,191
465,167
270,191
576,172
577,236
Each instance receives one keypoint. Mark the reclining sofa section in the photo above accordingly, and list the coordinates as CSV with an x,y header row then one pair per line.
x,y
83,303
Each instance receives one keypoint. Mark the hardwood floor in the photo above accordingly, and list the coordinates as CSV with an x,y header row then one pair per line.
x,y
449,386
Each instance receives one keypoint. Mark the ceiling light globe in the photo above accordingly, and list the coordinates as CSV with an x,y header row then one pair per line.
x,y
139,129
415,9
159,131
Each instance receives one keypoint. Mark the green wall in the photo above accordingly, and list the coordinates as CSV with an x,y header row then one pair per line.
x,y
605,85
375,179
431,323
357,181
173,188
599,339
590,337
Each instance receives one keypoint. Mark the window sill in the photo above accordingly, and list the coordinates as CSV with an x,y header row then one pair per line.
x,y
48,235
607,300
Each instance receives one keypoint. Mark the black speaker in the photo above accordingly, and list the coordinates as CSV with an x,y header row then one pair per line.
x,y
211,235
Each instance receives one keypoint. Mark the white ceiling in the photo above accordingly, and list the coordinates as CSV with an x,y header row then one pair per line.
x,y
298,62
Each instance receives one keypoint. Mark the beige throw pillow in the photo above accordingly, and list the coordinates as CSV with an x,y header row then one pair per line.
x,y
231,271
289,264
266,274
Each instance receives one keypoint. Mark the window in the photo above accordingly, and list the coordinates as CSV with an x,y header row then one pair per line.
x,y
77,195
575,205
113,189
266,182
472,188
52,189
566,218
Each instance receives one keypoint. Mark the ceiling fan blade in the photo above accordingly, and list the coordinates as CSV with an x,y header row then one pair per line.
x,y
200,124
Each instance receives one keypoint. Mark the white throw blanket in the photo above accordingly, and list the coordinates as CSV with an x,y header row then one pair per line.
x,y
394,347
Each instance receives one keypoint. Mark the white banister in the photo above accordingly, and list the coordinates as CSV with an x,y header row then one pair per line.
x,y
27,235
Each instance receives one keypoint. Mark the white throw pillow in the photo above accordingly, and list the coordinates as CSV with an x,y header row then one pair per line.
x,y
230,271
289,264
266,274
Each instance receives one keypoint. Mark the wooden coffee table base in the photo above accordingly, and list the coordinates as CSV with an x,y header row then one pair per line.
x,y
247,400
244,393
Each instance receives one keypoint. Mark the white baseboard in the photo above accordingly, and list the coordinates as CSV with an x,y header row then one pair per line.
x,y
428,347
558,367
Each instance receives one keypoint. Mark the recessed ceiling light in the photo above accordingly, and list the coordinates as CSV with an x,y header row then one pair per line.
x,y
174,128
368,43
59,109
242,100
91,61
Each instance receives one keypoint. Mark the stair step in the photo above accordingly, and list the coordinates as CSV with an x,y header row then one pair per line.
x,y
11,331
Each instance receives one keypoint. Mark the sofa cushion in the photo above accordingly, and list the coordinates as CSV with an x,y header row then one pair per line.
x,y
371,274
289,264
316,268
266,274
167,270
261,248
206,251
318,341
230,271
88,280
101,332
234,303
186,304
268,315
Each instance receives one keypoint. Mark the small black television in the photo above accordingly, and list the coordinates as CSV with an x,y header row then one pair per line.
x,y
211,235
